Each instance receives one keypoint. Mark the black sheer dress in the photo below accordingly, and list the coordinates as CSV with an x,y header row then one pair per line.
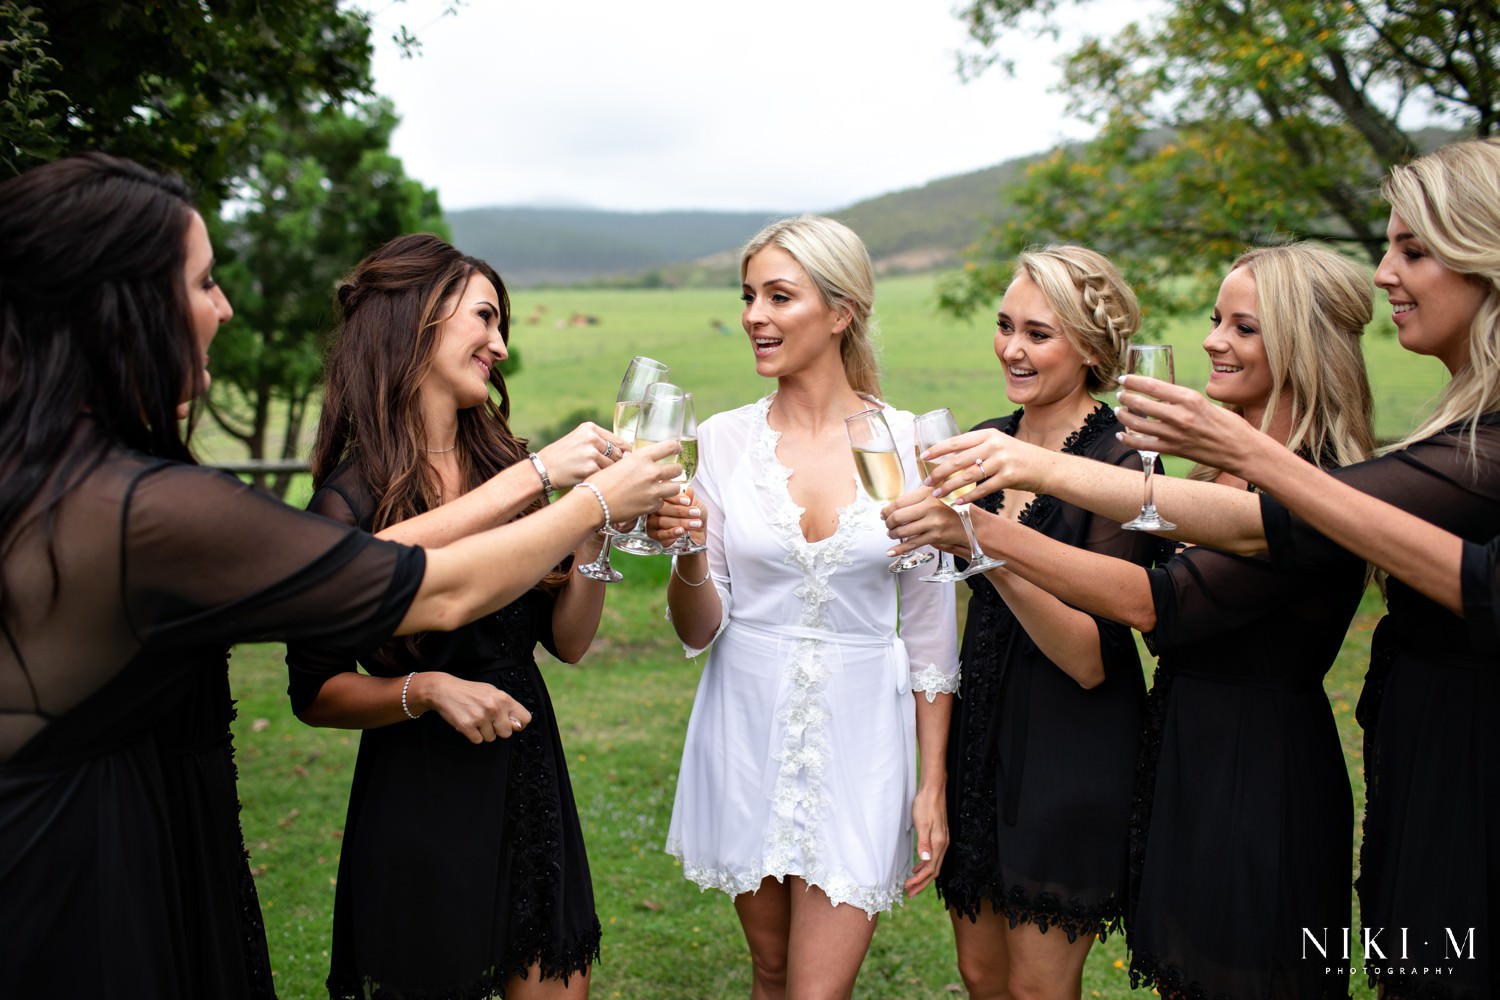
x,y
462,864
1040,770
1244,829
1430,861
122,871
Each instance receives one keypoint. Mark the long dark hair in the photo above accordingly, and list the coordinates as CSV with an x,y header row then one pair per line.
x,y
391,307
93,323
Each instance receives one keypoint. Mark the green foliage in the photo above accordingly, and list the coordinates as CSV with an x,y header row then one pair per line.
x,y
1231,123
183,87
324,192
29,111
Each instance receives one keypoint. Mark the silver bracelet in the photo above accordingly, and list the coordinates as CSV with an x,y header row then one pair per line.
x,y
541,470
598,495
404,687
690,583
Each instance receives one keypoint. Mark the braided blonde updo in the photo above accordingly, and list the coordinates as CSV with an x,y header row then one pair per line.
x,y
1098,310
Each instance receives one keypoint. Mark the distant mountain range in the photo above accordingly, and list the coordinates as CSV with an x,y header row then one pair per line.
x,y
917,229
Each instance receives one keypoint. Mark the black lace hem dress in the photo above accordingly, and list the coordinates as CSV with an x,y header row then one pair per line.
x,y
1041,771
462,864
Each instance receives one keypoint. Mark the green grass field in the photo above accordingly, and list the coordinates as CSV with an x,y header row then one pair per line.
x,y
625,708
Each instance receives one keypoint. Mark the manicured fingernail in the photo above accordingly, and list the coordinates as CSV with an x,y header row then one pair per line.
x,y
925,855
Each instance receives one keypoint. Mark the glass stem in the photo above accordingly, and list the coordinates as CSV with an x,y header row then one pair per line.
x,y
975,552
1148,462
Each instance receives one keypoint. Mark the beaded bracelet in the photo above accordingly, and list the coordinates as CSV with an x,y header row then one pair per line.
x,y
598,495
403,696
541,470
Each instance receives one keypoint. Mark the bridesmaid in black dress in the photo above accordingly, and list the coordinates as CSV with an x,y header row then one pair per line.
x,y
1243,824
1430,857
462,871
1041,751
126,570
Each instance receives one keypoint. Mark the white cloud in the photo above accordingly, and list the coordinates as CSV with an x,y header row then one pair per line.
x,y
783,105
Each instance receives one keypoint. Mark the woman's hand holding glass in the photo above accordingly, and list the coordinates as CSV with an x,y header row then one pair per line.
x,y
934,427
987,460
580,453
636,484
681,516
640,374
878,463
1177,420
660,421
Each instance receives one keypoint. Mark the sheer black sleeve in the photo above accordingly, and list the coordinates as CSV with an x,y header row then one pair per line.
x,y
207,558
309,667
1481,593
1438,479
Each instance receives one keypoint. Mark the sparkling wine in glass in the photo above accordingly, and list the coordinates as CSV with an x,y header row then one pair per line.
x,y
660,420
688,459
879,466
933,427
1154,360
640,374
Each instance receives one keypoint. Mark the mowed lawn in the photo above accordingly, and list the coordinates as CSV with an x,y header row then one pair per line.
x,y
625,708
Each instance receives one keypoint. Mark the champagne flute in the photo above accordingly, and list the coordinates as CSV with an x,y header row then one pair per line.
x,y
879,466
1154,360
660,420
932,427
639,375
688,459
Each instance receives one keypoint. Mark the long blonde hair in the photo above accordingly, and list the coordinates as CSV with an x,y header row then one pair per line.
x,y
1451,200
1313,305
839,265
1097,309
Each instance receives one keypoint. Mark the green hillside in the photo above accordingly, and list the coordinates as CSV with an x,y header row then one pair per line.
x,y
556,246
916,230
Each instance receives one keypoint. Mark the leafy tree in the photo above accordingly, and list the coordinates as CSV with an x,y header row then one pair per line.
x,y
325,192
1228,123
183,87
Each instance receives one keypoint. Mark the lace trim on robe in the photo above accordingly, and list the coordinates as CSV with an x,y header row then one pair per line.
x,y
794,842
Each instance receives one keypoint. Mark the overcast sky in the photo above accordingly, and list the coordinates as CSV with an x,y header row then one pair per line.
x,y
768,105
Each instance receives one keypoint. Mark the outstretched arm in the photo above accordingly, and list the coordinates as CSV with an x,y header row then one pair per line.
x,y
1416,552
568,461
1205,513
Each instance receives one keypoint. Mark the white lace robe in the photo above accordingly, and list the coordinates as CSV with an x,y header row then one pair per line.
x,y
800,756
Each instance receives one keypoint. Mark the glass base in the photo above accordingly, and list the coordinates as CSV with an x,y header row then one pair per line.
x,y
910,561
977,566
1148,520
638,545
603,572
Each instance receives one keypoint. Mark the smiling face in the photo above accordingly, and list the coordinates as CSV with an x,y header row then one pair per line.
x,y
207,306
1241,373
791,328
1041,366
468,345
1431,305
